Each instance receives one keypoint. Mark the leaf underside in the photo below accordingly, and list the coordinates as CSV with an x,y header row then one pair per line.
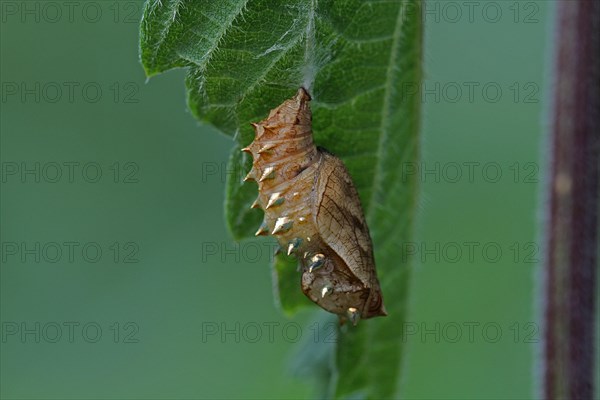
x,y
356,58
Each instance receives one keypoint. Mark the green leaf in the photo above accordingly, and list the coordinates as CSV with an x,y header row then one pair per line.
x,y
359,60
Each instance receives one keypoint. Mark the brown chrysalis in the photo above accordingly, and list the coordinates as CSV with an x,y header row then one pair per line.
x,y
313,209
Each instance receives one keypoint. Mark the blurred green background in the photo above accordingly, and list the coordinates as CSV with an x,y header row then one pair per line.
x,y
183,311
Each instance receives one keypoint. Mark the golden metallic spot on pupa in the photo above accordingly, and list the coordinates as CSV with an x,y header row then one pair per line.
x,y
250,176
294,245
282,224
262,230
275,200
266,148
353,315
316,262
269,173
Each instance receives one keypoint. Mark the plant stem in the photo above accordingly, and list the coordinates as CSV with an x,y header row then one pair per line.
x,y
572,193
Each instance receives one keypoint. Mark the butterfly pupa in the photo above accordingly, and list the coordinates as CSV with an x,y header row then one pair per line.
x,y
313,209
